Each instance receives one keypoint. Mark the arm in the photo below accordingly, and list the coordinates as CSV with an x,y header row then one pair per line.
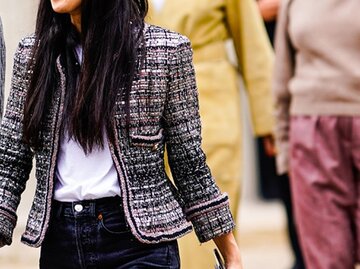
x,y
2,69
227,245
206,207
255,59
268,9
15,156
284,71
203,199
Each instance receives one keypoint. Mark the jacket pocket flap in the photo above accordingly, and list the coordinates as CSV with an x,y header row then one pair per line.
x,y
147,140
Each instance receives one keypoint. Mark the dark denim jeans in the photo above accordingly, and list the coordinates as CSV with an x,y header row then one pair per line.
x,y
95,235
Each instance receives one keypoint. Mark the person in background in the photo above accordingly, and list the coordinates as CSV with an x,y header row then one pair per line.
x,y
209,24
272,184
317,97
269,10
2,68
97,94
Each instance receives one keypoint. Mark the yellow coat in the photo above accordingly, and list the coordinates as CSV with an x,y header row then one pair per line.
x,y
209,24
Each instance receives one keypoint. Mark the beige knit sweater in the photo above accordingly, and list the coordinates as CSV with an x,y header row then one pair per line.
x,y
317,66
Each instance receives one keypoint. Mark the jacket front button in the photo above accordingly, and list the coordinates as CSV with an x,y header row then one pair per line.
x,y
155,147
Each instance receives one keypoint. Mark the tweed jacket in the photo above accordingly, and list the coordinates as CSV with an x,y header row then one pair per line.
x,y
163,111
2,69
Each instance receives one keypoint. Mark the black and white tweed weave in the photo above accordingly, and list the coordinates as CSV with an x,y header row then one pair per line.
x,y
2,69
163,111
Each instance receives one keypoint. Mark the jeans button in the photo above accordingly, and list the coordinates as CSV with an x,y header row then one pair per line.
x,y
78,208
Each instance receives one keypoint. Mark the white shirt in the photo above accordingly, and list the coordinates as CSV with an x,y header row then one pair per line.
x,y
84,177
158,4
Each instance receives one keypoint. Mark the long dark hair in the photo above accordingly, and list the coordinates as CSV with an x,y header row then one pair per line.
x,y
111,34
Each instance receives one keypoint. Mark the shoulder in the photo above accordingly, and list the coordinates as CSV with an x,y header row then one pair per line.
x,y
25,48
28,40
158,36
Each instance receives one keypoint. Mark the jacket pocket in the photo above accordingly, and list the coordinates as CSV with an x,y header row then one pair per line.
x,y
153,142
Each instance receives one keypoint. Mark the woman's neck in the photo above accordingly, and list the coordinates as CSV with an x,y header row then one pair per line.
x,y
76,20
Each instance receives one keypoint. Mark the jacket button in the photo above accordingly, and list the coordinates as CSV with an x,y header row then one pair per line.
x,y
155,147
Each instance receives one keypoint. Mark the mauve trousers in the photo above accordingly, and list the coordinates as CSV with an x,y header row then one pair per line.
x,y
325,182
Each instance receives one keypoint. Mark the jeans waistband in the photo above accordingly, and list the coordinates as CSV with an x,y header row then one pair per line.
x,y
86,208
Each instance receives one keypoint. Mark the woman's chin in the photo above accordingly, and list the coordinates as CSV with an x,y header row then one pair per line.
x,y
66,6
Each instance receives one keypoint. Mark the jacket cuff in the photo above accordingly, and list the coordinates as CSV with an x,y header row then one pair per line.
x,y
7,226
211,219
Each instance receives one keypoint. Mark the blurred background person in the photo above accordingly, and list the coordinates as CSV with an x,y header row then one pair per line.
x,y
210,24
274,186
269,10
2,69
316,87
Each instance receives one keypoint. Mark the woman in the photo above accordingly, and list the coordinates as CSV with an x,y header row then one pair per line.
x,y
96,95
316,90
2,69
210,25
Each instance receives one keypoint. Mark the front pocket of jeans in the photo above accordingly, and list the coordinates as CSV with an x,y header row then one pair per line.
x,y
163,255
113,223
173,255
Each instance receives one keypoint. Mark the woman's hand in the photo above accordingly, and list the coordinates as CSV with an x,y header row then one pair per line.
x,y
269,9
269,145
229,250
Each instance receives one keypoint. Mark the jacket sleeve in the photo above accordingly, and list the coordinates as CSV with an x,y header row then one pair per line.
x,y
2,69
15,156
255,60
284,71
205,206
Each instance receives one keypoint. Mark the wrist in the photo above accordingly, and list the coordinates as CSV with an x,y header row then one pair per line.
x,y
229,250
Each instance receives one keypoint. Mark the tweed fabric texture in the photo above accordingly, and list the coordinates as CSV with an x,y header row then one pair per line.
x,y
163,112
2,69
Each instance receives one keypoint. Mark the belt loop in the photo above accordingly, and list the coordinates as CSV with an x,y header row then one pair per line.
x,y
93,209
